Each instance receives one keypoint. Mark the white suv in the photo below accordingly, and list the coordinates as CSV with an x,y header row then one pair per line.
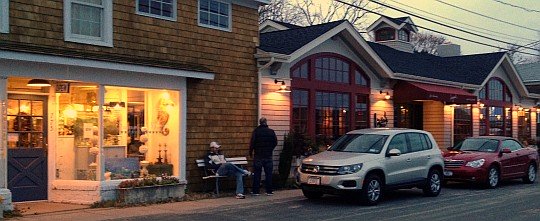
x,y
368,161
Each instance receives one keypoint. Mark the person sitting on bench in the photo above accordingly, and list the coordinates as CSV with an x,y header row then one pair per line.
x,y
215,160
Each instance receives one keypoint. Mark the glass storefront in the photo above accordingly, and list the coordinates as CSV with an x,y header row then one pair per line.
x,y
125,132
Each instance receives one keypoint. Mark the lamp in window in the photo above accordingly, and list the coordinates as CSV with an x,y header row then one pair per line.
x,y
283,87
117,105
386,95
38,83
481,105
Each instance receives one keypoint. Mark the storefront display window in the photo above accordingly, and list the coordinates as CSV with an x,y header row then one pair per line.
x,y
496,109
462,123
524,124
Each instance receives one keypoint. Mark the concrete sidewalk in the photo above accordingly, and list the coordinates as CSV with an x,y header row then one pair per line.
x,y
185,207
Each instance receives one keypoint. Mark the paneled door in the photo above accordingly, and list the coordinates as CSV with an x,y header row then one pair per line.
x,y
27,147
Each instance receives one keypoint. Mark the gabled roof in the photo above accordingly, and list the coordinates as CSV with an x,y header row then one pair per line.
x,y
530,73
397,23
288,41
469,69
287,25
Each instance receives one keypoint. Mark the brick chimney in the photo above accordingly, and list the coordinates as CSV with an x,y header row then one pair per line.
x,y
448,50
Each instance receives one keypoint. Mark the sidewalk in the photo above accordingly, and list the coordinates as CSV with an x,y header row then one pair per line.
x,y
185,207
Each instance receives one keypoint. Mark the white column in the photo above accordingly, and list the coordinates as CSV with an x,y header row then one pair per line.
x,y
5,193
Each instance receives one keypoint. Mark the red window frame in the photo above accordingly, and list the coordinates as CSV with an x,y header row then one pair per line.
x,y
312,85
505,103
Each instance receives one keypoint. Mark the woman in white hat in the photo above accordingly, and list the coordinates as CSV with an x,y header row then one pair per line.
x,y
215,160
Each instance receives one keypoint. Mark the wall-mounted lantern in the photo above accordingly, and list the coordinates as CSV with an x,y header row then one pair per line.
x,y
282,87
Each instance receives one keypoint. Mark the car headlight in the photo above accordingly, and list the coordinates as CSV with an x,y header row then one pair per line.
x,y
350,169
476,163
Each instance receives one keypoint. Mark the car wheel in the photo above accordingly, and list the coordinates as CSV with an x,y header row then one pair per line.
x,y
311,194
493,177
372,190
530,176
433,183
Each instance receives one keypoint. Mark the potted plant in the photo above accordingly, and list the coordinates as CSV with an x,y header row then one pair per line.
x,y
149,190
295,145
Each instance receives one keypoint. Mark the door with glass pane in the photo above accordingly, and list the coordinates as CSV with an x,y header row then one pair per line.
x,y
27,148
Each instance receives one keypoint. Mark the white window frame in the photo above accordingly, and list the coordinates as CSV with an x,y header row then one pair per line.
x,y
106,28
4,19
229,29
174,11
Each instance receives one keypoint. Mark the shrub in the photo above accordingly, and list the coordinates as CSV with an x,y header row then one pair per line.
x,y
151,181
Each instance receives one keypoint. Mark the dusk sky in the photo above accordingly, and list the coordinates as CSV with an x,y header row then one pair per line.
x,y
492,8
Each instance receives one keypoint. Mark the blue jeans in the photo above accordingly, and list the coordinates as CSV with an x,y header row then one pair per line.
x,y
229,169
258,165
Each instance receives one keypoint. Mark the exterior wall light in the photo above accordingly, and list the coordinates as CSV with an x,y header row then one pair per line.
x,y
386,95
283,87
38,83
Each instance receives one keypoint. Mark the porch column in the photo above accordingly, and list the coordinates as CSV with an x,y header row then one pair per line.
x,y
5,194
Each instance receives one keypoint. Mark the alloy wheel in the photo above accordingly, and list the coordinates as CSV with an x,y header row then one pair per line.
x,y
532,173
435,182
374,190
493,177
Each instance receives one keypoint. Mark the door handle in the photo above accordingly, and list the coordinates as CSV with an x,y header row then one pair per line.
x,y
408,160
429,157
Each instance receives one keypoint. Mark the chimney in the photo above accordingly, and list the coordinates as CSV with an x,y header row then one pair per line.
x,y
448,50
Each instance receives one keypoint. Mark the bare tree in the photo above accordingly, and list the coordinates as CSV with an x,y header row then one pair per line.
x,y
427,42
307,12
514,50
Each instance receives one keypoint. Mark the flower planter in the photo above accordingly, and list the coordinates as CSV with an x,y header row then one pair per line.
x,y
149,194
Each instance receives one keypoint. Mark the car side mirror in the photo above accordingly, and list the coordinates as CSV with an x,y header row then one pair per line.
x,y
506,150
450,148
394,152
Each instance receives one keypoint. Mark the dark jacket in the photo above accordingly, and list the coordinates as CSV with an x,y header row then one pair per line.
x,y
263,142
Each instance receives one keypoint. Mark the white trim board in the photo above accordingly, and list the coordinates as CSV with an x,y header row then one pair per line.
x,y
77,62
4,17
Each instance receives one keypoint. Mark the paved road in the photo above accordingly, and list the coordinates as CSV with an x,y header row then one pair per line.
x,y
512,201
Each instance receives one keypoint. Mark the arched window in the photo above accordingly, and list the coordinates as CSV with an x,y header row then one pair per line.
x,y
330,95
496,115
403,35
385,34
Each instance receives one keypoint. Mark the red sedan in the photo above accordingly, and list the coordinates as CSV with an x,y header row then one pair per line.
x,y
489,159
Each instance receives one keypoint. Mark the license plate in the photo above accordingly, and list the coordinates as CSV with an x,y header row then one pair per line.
x,y
314,180
448,173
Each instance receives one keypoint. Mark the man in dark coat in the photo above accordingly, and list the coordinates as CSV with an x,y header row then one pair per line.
x,y
263,142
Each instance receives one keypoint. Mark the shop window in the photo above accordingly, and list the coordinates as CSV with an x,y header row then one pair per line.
x,y
462,123
328,100
88,22
496,115
385,34
524,125
300,111
331,114
4,16
215,14
139,129
331,69
165,9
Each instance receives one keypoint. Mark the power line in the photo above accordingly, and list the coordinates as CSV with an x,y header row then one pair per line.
x,y
448,26
516,6
454,36
485,29
485,16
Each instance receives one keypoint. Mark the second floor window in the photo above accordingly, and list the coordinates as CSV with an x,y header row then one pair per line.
x,y
385,34
4,16
165,9
88,21
215,14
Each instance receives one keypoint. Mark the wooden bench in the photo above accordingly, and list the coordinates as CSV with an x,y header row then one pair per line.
x,y
211,174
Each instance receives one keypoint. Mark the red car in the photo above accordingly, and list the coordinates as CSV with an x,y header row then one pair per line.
x,y
490,159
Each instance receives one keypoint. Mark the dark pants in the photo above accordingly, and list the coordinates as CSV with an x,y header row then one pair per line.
x,y
258,165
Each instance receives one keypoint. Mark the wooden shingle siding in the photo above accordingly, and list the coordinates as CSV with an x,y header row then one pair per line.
x,y
223,109
434,122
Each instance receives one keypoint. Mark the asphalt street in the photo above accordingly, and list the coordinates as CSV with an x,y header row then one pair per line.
x,y
513,200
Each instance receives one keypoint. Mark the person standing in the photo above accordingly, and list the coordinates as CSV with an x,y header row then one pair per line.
x,y
215,160
263,142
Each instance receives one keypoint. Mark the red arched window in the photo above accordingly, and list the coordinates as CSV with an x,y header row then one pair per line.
x,y
330,96
385,34
496,115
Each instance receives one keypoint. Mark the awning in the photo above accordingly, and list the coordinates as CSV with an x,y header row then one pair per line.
x,y
413,91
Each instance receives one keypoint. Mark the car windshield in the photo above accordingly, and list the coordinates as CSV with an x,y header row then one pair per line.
x,y
478,144
360,143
